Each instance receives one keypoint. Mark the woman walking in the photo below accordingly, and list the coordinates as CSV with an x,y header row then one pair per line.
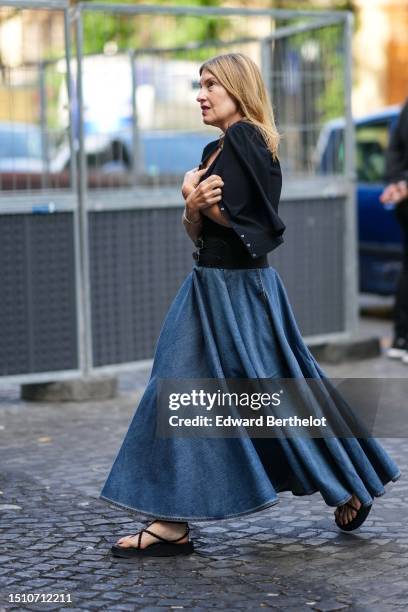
x,y
231,318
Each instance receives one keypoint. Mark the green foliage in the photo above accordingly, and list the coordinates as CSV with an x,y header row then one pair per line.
x,y
100,28
129,32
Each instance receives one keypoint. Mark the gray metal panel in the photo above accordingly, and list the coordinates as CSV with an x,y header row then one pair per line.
x,y
140,257
311,263
38,300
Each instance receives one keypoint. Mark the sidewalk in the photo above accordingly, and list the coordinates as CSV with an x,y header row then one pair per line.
x,y
56,534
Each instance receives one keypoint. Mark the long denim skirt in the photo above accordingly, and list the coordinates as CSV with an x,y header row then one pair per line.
x,y
234,323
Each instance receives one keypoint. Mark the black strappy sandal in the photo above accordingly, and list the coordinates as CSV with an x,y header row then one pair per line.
x,y
358,520
164,548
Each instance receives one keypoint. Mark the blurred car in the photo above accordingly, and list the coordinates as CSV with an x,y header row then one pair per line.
x,y
168,153
20,147
163,157
21,155
23,164
379,234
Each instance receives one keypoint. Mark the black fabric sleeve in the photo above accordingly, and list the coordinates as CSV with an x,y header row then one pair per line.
x,y
397,153
252,188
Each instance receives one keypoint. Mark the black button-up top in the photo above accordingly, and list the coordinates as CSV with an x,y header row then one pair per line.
x,y
252,187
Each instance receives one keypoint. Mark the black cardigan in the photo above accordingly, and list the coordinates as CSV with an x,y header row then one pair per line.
x,y
252,187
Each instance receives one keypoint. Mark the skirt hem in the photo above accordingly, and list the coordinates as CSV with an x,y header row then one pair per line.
x,y
190,518
264,506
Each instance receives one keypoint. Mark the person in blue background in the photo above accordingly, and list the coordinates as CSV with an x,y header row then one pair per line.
x,y
397,193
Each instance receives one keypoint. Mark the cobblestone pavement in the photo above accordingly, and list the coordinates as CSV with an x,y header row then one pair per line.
x,y
56,534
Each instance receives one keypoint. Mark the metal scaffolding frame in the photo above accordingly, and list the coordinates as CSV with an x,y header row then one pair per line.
x,y
86,203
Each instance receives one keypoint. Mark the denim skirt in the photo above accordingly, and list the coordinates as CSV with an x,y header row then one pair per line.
x,y
234,323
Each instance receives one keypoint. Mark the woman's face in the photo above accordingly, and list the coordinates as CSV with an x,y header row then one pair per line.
x,y
217,106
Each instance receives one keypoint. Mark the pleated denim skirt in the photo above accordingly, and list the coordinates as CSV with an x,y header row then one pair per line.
x,y
234,323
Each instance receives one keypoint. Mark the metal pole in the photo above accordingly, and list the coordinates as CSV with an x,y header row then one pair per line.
x,y
131,9
266,68
38,4
74,188
86,361
350,238
45,175
135,126
71,105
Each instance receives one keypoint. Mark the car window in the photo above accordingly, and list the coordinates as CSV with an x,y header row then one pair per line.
x,y
371,144
20,144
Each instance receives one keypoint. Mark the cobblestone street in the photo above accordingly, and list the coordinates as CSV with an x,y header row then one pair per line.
x,y
56,534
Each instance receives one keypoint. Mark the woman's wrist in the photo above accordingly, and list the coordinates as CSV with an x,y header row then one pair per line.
x,y
192,216
192,210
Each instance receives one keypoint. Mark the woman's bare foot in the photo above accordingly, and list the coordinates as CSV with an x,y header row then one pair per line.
x,y
345,513
165,529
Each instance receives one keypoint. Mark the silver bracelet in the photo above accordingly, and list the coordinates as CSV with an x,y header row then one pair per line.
x,y
188,220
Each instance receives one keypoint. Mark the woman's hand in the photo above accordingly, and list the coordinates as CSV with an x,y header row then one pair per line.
x,y
395,192
191,180
206,194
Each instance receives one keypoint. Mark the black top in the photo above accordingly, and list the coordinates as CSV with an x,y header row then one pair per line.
x,y
251,190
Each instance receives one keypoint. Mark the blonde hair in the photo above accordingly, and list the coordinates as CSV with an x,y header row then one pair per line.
x,y
242,79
